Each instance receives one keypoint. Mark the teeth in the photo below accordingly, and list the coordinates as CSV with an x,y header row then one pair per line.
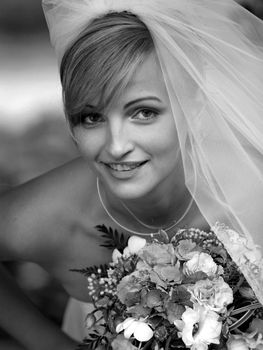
x,y
123,167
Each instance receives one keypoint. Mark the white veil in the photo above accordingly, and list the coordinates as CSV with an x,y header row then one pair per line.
x,y
211,54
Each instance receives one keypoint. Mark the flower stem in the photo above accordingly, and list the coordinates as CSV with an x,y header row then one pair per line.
x,y
250,309
246,308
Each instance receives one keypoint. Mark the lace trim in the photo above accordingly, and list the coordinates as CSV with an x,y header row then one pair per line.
x,y
245,254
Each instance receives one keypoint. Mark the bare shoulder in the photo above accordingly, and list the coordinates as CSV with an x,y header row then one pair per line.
x,y
36,217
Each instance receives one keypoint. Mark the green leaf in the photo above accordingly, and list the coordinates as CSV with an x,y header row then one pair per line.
x,y
92,342
87,271
114,238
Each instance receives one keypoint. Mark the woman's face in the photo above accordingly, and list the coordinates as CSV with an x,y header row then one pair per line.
x,y
133,147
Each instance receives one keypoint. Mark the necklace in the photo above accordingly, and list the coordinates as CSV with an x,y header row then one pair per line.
x,y
160,231
174,223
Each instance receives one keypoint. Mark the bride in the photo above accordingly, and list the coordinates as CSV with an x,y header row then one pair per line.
x,y
164,101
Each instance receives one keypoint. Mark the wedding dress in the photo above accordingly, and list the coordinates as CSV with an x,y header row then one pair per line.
x,y
74,319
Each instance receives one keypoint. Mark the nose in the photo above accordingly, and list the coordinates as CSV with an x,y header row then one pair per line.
x,y
119,140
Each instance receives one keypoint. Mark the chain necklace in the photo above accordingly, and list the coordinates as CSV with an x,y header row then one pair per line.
x,y
174,223
160,231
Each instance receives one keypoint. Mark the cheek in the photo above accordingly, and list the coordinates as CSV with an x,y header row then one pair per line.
x,y
166,142
89,143
169,150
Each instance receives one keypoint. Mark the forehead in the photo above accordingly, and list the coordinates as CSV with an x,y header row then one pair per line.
x,y
148,78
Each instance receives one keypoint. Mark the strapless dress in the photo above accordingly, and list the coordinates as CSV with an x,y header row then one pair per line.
x,y
74,319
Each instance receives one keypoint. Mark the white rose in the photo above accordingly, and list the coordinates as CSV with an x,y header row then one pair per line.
x,y
214,294
135,244
223,295
201,262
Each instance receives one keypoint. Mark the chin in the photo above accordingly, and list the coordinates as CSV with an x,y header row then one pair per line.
x,y
126,190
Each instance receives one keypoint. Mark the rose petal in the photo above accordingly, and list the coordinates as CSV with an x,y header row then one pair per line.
x,y
128,322
127,252
119,327
135,244
179,324
116,255
143,332
130,329
237,344
123,325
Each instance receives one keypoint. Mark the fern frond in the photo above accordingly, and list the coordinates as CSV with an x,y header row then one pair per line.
x,y
93,341
90,343
114,239
87,271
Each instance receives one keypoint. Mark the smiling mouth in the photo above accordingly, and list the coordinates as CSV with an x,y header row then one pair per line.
x,y
125,166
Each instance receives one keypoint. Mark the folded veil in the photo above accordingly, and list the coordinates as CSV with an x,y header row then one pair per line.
x,y
211,54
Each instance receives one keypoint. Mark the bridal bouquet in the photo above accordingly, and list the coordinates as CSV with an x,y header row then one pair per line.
x,y
180,293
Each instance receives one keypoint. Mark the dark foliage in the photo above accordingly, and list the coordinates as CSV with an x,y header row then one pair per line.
x,y
114,239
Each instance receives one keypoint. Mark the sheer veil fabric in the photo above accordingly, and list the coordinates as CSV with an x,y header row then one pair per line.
x,y
211,55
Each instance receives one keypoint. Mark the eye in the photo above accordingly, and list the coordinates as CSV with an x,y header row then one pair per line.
x,y
91,119
145,114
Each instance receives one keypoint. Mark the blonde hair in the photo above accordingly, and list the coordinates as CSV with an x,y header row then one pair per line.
x,y
102,61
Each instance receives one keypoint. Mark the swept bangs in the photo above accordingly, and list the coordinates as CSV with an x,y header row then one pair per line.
x,y
102,61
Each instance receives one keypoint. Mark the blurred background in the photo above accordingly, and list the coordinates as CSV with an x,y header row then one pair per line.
x,y
33,133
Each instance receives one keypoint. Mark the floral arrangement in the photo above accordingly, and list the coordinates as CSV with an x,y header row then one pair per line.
x,y
180,293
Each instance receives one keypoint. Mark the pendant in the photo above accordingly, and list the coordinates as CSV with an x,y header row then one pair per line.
x,y
164,236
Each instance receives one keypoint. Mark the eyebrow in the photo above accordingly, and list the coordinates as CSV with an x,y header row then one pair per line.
x,y
127,105
153,98
88,105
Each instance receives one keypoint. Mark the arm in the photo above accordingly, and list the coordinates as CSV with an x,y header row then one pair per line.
x,y
22,320
24,228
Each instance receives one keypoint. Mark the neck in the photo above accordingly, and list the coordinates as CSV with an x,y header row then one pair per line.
x,y
158,208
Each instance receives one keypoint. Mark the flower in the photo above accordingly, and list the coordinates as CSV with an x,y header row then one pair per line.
x,y
120,343
214,294
135,244
116,255
245,341
237,344
186,293
208,328
154,298
256,325
169,273
186,249
174,311
141,330
156,253
201,262
128,290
